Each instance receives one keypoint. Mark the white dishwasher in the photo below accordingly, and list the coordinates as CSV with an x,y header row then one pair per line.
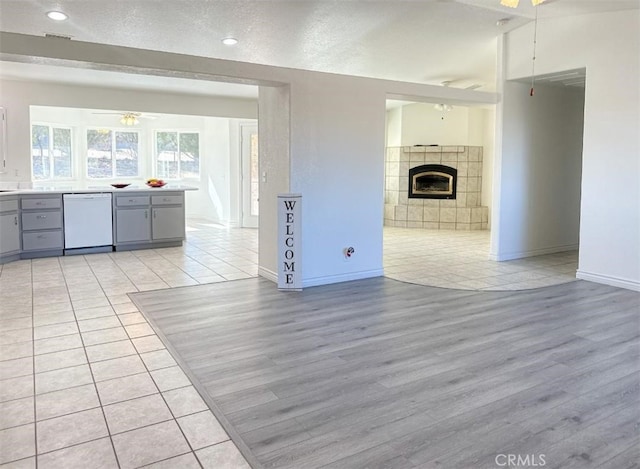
x,y
88,221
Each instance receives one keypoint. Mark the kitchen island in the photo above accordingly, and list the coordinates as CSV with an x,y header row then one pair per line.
x,y
33,221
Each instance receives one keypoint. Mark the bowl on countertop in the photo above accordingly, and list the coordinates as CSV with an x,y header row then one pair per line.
x,y
156,184
120,186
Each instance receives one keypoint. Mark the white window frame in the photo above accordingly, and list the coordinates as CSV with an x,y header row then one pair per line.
x,y
113,131
72,164
177,131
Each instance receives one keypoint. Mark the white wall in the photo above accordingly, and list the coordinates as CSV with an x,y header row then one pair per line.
x,y
394,127
217,196
475,126
541,165
214,198
274,160
488,159
608,45
422,124
337,163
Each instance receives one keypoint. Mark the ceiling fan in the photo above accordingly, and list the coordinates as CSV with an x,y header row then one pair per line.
x,y
128,117
514,3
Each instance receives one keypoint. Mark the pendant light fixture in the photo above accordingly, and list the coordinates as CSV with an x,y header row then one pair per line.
x,y
514,3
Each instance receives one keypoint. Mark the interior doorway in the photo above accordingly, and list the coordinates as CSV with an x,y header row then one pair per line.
x,y
439,242
250,175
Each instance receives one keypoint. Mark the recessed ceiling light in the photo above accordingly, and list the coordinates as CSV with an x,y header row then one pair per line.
x,y
229,41
57,15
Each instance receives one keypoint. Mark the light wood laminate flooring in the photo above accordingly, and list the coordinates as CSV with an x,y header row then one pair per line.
x,y
381,373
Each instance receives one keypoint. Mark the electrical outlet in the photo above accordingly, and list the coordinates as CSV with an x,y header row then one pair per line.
x,y
348,253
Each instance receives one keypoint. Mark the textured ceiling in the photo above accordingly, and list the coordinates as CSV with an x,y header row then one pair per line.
x,y
424,41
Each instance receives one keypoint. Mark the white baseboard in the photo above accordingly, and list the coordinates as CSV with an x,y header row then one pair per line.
x,y
314,282
317,281
508,256
608,280
268,274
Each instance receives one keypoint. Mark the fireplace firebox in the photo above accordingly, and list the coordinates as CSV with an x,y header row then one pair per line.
x,y
432,181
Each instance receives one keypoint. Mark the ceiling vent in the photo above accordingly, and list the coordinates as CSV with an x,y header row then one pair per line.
x,y
57,36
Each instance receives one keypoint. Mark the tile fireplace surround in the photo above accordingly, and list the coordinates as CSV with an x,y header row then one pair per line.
x,y
462,213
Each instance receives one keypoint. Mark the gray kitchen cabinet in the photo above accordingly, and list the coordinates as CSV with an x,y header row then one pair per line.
x,y
168,223
9,229
9,234
41,220
144,220
168,216
133,225
42,240
132,219
32,224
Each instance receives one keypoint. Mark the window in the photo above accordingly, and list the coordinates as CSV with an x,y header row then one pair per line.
x,y
178,155
51,152
112,154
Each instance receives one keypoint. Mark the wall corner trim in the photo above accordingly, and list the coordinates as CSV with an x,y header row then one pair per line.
x,y
609,280
268,274
508,256
326,280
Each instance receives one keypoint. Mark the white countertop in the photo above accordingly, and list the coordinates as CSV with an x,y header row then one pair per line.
x,y
93,189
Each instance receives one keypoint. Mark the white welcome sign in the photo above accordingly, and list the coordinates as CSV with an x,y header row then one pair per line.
x,y
289,241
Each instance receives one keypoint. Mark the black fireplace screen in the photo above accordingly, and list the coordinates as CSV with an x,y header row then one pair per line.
x,y
432,181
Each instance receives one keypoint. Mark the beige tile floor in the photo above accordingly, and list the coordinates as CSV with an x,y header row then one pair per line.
x,y
85,381
459,259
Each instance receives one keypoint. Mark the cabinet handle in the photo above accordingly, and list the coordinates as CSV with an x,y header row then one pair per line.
x,y
146,214
166,200
39,203
154,213
41,236
40,217
131,200
15,220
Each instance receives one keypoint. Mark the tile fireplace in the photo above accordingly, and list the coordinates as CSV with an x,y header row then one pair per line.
x,y
434,187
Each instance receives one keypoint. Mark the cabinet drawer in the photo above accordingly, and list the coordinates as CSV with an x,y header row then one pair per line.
x,y
41,220
42,240
132,201
8,205
34,204
166,200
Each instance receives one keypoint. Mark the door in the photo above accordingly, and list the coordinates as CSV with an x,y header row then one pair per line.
x,y
9,233
168,223
133,225
250,175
